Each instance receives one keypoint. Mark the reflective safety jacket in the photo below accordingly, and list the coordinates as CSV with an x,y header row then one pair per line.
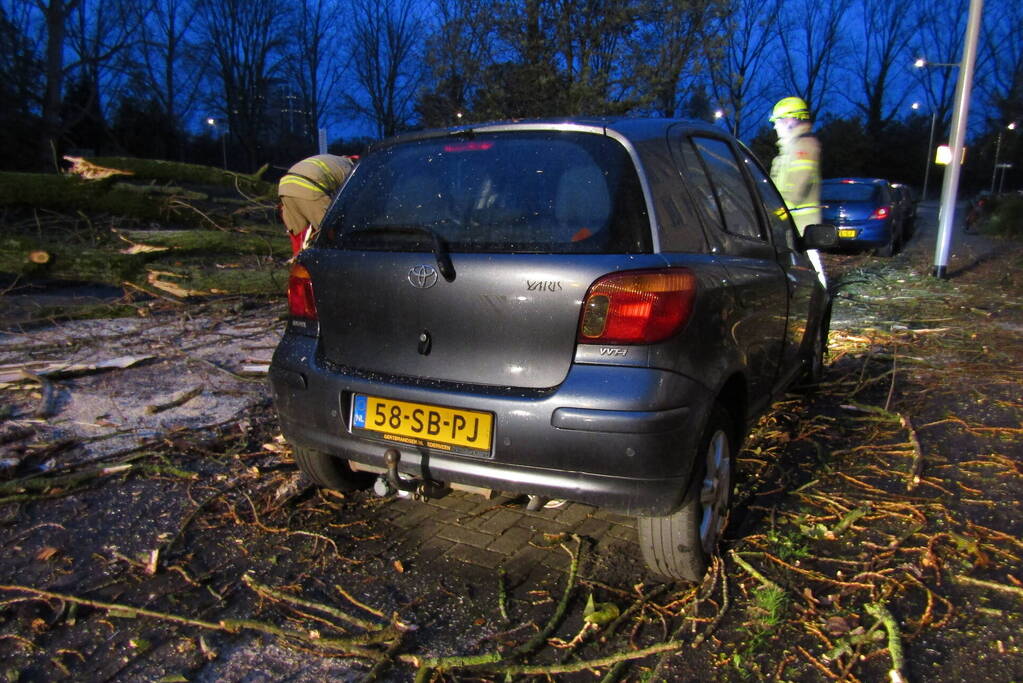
x,y
315,177
797,174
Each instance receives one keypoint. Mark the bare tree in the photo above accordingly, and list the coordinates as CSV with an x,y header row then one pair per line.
x,y
1000,63
244,39
315,63
99,33
387,61
939,40
458,49
668,49
20,59
887,28
166,63
750,29
55,15
811,39
589,42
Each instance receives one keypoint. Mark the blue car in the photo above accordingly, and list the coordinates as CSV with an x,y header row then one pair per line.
x,y
865,213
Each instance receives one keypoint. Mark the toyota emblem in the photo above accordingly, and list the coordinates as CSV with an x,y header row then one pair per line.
x,y
422,276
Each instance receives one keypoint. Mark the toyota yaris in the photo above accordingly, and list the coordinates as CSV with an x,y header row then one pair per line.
x,y
592,310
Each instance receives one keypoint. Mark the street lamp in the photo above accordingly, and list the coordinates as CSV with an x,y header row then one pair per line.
x,y
212,123
930,146
920,63
960,111
998,148
719,115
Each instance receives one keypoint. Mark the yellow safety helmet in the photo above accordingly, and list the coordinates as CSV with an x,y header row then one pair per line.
x,y
791,108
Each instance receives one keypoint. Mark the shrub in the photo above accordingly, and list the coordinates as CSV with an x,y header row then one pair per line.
x,y
1006,217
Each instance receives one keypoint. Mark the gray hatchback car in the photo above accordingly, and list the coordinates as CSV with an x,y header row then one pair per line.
x,y
592,310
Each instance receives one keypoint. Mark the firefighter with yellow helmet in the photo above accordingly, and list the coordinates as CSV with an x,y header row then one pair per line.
x,y
305,193
796,170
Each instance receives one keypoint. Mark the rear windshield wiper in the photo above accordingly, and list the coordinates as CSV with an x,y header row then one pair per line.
x,y
439,246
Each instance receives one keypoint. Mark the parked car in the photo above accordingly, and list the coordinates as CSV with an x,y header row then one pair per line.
x,y
906,201
864,211
572,309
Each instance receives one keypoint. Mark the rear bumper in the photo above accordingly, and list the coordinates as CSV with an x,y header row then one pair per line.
x,y
866,234
621,438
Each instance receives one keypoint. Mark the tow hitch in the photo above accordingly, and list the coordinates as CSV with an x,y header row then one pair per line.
x,y
421,489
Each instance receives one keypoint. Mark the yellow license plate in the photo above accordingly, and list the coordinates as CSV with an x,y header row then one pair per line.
x,y
417,424
847,233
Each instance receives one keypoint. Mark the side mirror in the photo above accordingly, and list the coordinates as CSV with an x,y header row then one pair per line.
x,y
820,236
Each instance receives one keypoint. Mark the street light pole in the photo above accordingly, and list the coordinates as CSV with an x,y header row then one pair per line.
x,y
998,148
930,146
950,186
212,123
994,169
1001,181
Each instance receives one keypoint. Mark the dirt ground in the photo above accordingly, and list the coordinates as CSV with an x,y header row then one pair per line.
x,y
153,527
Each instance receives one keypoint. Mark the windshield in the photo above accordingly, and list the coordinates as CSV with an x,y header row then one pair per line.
x,y
850,192
545,192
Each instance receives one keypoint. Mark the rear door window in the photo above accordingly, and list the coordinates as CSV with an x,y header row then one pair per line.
x,y
730,190
783,230
540,192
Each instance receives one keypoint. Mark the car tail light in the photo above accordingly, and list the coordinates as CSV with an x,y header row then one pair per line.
x,y
880,214
637,307
300,293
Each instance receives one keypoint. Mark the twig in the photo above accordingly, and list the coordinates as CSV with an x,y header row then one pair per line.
x,y
633,608
349,646
153,292
916,467
991,585
502,595
240,378
586,665
891,387
266,591
175,401
358,604
881,613
64,482
47,403
764,581
174,201
721,612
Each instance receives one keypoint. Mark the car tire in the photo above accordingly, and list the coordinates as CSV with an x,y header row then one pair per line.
x,y
815,363
888,249
679,545
330,471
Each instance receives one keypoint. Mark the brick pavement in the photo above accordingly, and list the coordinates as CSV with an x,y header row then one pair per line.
x,y
500,533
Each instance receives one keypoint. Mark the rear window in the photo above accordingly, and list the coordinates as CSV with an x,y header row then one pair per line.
x,y
850,192
542,192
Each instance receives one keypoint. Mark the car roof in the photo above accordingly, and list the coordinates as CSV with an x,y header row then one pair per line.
x,y
635,130
850,181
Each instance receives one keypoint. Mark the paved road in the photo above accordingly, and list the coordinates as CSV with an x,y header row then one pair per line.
x,y
469,529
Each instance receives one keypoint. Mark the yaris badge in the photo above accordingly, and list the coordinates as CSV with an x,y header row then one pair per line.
x,y
422,276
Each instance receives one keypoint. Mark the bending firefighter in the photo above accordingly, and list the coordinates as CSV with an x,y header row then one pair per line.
x,y
796,170
306,192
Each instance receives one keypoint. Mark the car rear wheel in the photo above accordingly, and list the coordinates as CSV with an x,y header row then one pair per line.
x,y
815,363
330,471
888,249
680,545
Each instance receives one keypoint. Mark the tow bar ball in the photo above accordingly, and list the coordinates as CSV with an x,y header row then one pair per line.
x,y
421,489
